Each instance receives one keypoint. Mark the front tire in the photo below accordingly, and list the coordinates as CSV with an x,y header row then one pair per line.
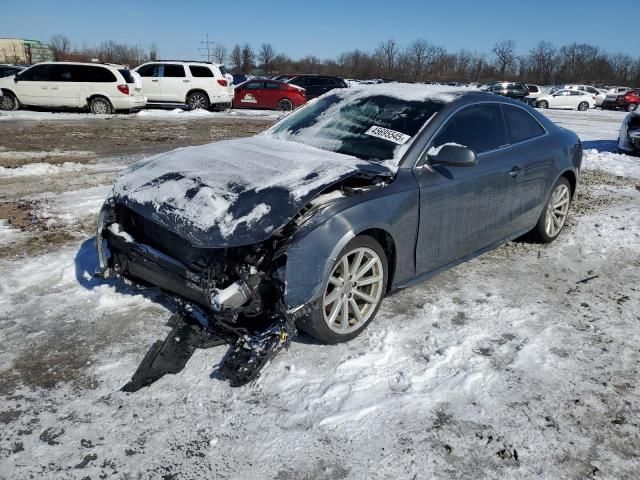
x,y
631,107
542,104
100,106
9,102
197,101
352,294
555,212
583,106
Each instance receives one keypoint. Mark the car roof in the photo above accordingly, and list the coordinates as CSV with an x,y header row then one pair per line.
x,y
187,61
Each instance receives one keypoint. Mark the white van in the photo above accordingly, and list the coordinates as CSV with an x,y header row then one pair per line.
x,y
102,88
191,83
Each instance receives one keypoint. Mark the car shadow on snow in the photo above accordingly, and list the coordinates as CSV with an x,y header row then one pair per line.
x,y
601,145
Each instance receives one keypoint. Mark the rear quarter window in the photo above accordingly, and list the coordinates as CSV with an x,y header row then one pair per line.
x,y
126,74
96,74
521,125
198,71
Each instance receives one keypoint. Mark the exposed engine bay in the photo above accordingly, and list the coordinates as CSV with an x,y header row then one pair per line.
x,y
232,295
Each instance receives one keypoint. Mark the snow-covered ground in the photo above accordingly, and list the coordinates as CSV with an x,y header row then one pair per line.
x,y
522,363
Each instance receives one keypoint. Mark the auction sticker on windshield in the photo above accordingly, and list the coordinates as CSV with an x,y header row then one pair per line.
x,y
387,134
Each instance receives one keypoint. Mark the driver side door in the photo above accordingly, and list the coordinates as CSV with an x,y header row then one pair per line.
x,y
33,86
465,209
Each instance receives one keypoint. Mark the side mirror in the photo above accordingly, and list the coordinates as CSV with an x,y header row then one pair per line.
x,y
452,155
16,78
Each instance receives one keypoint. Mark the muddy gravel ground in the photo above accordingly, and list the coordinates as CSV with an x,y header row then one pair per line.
x,y
522,363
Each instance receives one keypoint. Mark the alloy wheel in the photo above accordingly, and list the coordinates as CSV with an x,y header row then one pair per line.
x,y
7,102
197,101
355,288
100,107
557,210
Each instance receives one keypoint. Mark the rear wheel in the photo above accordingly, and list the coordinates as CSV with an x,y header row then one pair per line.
x,y
198,100
542,104
285,105
555,212
352,294
100,106
631,107
9,102
583,106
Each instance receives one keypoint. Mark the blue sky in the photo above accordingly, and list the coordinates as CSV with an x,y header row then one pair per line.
x,y
323,28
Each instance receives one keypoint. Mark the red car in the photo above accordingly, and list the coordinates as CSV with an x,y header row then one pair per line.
x,y
628,100
270,94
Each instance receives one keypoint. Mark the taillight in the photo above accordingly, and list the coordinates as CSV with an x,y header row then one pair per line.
x,y
223,83
124,89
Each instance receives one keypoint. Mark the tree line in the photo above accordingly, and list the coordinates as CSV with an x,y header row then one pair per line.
x,y
419,61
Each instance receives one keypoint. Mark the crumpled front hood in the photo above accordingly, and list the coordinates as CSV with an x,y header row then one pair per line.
x,y
234,192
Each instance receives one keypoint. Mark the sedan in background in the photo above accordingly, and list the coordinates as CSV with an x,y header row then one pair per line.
x,y
269,94
10,70
316,85
628,101
567,99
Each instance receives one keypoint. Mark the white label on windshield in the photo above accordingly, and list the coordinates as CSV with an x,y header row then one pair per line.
x,y
386,134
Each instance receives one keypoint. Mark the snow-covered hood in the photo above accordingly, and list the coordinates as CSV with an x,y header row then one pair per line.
x,y
234,192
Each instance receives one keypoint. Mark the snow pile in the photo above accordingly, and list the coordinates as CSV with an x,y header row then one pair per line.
x,y
211,186
4,154
40,169
172,113
8,234
615,163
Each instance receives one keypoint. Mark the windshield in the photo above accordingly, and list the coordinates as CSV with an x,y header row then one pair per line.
x,y
368,127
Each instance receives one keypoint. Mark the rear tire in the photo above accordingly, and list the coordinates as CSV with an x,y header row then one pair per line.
x,y
542,104
9,102
352,295
583,106
631,107
285,105
555,212
197,101
100,106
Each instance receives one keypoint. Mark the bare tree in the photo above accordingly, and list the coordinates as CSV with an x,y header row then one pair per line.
x,y
153,52
542,61
219,53
387,54
248,58
61,46
505,55
236,57
420,57
265,57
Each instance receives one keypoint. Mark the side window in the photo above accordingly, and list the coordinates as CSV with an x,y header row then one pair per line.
x,y
97,75
272,86
152,70
575,93
174,71
254,85
479,127
64,73
521,125
318,82
197,71
300,81
39,73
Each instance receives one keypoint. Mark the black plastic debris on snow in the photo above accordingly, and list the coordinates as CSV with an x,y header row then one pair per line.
x,y
248,354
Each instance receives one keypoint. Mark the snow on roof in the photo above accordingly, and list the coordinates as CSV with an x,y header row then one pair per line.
x,y
406,91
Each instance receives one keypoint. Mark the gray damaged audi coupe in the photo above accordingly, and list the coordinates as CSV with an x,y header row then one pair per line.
x,y
360,192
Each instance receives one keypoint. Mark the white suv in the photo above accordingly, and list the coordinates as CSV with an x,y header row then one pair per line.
x,y
103,88
194,84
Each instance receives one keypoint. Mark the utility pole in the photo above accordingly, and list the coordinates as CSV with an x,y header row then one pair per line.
x,y
207,48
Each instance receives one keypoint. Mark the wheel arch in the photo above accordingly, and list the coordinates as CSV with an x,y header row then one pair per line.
x,y
572,178
388,244
93,96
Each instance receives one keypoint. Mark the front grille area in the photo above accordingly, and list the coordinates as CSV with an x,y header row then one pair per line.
x,y
150,233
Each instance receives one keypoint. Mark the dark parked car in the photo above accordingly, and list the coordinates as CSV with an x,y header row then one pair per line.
x,y
628,101
314,221
8,70
629,137
316,85
515,90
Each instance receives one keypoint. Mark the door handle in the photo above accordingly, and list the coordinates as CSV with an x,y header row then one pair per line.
x,y
515,171
54,88
186,81
156,80
43,87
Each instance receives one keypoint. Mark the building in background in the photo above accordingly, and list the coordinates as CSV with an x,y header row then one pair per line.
x,y
23,51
